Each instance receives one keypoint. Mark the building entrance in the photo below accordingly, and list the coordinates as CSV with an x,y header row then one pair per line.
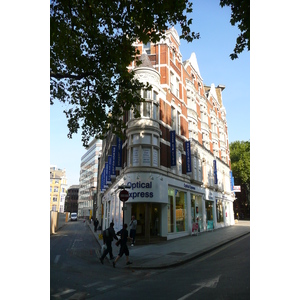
x,y
209,206
196,210
148,216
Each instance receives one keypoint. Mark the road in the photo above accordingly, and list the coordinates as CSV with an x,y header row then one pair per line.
x,y
76,273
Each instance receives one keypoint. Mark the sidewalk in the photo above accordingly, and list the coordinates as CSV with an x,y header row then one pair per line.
x,y
178,251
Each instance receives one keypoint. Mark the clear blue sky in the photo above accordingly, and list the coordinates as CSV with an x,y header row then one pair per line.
x,y
217,41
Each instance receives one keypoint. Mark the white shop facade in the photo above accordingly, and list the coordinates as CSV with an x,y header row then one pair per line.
x,y
165,206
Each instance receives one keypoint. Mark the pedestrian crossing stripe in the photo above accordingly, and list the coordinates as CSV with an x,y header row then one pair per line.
x,y
63,293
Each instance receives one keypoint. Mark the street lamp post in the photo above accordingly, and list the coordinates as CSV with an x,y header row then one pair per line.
x,y
94,204
123,196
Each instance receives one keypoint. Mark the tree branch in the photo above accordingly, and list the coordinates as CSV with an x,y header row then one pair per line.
x,y
77,77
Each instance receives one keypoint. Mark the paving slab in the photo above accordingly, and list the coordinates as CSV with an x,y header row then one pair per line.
x,y
180,250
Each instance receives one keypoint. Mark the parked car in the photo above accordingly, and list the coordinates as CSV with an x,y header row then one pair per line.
x,y
73,216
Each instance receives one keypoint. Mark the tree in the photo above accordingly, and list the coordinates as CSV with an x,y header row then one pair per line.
x,y
91,46
240,166
240,161
240,14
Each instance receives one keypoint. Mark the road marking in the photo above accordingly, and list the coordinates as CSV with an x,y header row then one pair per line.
x,y
63,293
212,283
78,296
105,287
56,259
92,284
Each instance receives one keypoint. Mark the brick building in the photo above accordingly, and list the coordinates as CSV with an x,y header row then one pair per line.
x,y
175,158
71,203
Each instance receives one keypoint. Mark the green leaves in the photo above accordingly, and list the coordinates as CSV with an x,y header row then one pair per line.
x,y
90,50
240,14
240,162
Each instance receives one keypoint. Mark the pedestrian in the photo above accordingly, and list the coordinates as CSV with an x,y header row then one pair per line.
x,y
96,223
132,226
108,236
123,248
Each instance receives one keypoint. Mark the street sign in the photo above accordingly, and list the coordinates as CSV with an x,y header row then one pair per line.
x,y
124,195
236,188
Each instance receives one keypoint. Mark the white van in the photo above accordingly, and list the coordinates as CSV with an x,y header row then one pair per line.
x,y
73,216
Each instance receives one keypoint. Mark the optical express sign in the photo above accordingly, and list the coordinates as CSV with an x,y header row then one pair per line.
x,y
140,185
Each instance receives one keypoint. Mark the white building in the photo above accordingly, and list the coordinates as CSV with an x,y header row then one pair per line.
x,y
88,178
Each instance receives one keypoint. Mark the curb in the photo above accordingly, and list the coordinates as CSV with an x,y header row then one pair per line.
x,y
95,235
189,258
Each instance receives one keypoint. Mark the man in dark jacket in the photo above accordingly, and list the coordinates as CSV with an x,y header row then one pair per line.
x,y
96,223
123,249
108,236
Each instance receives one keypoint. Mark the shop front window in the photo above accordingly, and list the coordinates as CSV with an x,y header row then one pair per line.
x,y
181,207
209,210
196,210
155,216
170,210
220,214
177,210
